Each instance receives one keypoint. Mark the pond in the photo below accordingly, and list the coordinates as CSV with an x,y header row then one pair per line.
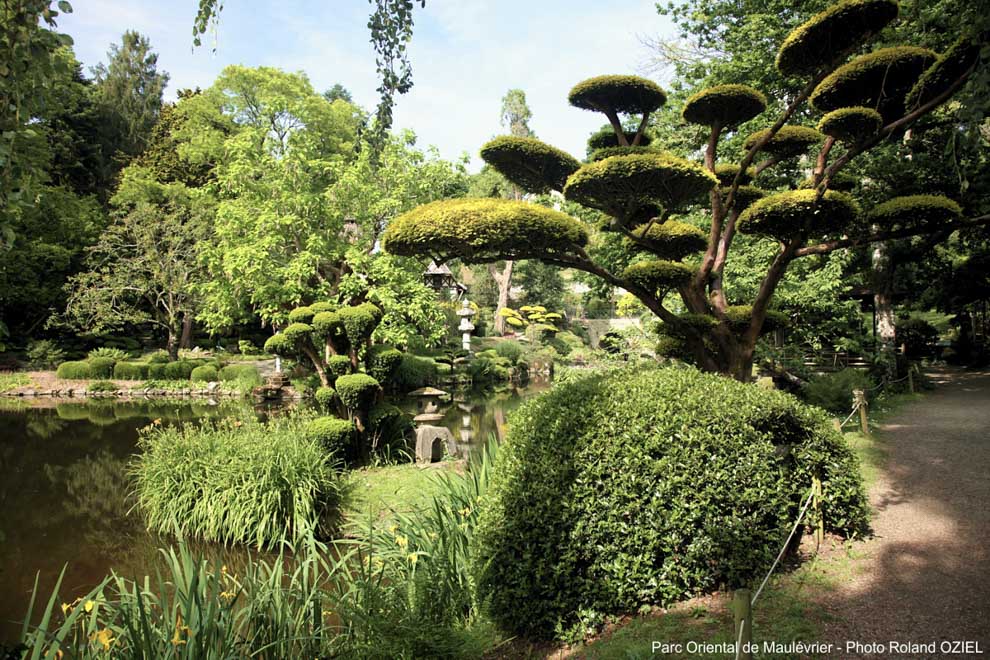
x,y
64,492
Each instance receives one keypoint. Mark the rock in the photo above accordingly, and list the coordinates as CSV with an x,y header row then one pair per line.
x,y
212,386
431,443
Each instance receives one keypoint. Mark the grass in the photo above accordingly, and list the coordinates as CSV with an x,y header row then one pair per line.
x,y
384,491
11,380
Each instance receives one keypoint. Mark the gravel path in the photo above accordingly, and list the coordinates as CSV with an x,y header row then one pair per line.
x,y
926,576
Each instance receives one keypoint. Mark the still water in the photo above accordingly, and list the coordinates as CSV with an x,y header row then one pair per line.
x,y
64,485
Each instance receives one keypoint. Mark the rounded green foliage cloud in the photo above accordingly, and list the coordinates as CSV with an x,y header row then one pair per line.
x,y
788,142
620,94
851,124
724,105
672,239
948,68
788,213
915,211
532,165
658,275
479,229
819,40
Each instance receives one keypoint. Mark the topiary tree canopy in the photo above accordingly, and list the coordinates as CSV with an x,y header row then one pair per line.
x,y
785,188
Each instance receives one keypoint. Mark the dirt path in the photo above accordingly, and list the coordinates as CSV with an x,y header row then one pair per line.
x,y
927,573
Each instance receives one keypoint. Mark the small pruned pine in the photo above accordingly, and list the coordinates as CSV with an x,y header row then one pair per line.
x,y
789,213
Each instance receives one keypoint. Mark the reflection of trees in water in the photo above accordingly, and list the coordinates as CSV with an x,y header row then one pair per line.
x,y
43,427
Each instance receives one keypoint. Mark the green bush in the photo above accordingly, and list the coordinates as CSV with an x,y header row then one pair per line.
x,y
158,357
107,352
156,371
101,367
247,347
235,481
130,371
335,435
357,391
44,353
243,373
337,366
178,370
414,372
669,482
833,392
510,349
74,371
325,398
389,426
204,374
382,361
102,386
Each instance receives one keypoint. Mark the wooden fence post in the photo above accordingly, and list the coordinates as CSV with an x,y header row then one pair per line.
x,y
859,398
817,495
910,378
742,611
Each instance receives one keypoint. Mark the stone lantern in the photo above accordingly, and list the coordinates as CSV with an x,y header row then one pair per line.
x,y
465,312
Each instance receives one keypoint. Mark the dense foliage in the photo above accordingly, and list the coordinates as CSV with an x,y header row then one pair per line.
x,y
650,495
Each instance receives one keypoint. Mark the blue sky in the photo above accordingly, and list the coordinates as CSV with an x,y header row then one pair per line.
x,y
465,55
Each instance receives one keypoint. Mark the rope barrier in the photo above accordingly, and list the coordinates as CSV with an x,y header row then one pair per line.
x,y
855,410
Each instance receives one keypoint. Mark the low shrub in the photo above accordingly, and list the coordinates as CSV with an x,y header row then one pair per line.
x,y
235,481
130,371
156,371
158,357
206,373
102,386
325,398
247,347
510,349
242,373
669,483
335,435
107,352
357,391
382,361
390,428
101,367
74,371
128,344
178,370
414,372
833,392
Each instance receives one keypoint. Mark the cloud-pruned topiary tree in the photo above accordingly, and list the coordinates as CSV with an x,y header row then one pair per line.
x,y
862,100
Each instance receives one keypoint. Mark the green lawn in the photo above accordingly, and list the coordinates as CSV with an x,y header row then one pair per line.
x,y
379,491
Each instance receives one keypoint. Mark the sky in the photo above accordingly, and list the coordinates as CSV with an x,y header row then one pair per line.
x,y
465,55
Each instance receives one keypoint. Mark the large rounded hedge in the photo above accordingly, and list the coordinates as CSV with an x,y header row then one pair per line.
x,y
669,483
474,229
724,106
532,165
819,40
619,94
880,80
74,370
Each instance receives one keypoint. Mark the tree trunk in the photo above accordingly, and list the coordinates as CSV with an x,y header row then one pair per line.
x,y
504,282
883,289
172,344
187,330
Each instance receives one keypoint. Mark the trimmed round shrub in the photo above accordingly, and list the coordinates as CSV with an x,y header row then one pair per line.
x,y
948,68
74,371
414,372
880,80
156,371
724,106
382,361
101,367
788,142
334,434
851,124
325,398
916,211
301,315
532,165
787,213
130,371
102,386
619,94
658,275
206,373
297,332
669,483
472,228
740,316
279,344
328,324
840,181
179,370
158,357
510,349
245,373
673,239
726,174
817,42
337,366
606,138
620,184
357,391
